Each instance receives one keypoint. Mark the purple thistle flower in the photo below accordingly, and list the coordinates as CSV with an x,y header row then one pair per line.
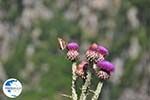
x,y
72,46
106,66
102,50
91,53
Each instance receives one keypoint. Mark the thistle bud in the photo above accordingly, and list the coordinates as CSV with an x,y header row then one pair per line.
x,y
81,69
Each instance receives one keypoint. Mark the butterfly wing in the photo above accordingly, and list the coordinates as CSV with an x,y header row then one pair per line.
x,y
62,43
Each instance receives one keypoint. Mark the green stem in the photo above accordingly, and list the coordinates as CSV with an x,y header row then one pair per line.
x,y
74,78
85,87
97,91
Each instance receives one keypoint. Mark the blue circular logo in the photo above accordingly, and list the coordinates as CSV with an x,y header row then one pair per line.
x,y
12,88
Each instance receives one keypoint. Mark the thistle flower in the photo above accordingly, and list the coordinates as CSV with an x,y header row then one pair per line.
x,y
106,68
72,53
81,68
91,53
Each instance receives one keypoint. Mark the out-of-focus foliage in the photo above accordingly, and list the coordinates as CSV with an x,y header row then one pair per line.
x,y
30,53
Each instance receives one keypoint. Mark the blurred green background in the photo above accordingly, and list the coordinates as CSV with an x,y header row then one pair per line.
x,y
30,53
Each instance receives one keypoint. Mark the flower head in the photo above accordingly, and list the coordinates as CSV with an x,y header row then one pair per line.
x,y
72,53
72,46
91,53
106,66
102,50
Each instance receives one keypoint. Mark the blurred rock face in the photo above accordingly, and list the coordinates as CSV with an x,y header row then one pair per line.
x,y
4,40
99,4
134,48
34,10
89,23
119,68
140,94
132,17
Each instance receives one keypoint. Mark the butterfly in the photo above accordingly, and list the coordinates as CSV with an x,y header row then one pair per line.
x,y
62,43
